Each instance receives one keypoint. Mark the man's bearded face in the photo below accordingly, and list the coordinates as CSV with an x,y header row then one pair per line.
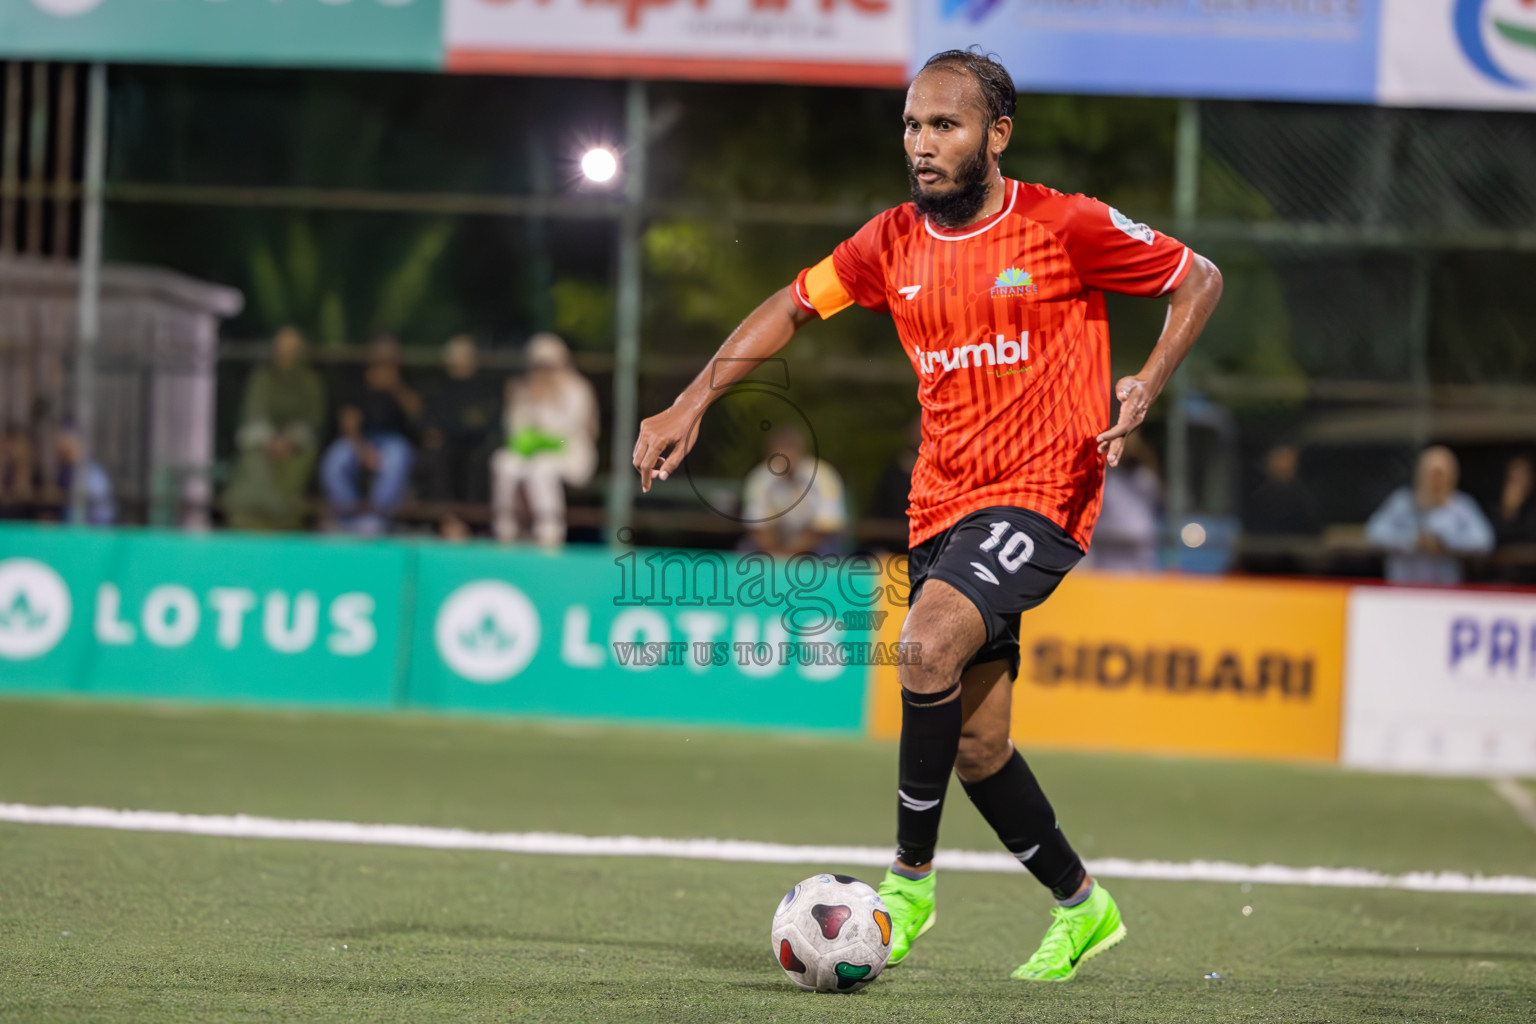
x,y
957,200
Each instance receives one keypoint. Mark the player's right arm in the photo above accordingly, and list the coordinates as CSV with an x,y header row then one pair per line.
x,y
669,435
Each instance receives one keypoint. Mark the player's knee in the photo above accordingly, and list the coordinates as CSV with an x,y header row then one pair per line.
x,y
981,755
936,663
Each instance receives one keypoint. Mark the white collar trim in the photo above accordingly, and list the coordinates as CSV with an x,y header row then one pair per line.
x,y
1012,196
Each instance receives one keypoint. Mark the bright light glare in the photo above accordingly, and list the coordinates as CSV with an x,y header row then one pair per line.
x,y
599,165
1193,535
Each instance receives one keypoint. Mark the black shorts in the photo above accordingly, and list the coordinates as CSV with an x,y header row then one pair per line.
x,y
1006,561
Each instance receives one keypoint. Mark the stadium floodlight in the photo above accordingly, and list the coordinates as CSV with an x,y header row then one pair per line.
x,y
599,164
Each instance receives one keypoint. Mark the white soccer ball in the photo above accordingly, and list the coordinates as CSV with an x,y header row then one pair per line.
x,y
832,933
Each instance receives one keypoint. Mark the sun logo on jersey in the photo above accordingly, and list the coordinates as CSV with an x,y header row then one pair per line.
x,y
1014,281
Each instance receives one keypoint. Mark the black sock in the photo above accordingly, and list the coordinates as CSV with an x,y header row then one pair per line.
x,y
1015,806
930,739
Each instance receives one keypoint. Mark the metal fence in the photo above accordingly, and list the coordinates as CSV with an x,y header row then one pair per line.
x,y
1376,263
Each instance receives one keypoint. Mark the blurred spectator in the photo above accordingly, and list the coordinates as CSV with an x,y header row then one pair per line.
x,y
1427,529
280,423
1281,506
1517,509
451,528
792,501
18,474
551,427
1126,537
1515,528
457,428
894,489
56,498
376,426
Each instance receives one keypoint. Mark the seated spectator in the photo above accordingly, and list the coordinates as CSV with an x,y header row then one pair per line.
x,y
18,474
1427,529
376,427
55,496
551,427
1515,528
1280,506
793,502
1130,522
458,422
280,422
1517,509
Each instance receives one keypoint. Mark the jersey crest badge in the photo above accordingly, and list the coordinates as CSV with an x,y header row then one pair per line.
x,y
1140,232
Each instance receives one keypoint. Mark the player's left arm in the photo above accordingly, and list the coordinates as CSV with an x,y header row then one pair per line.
x,y
1189,307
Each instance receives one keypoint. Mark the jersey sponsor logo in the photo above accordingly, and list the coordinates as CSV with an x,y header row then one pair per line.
x,y
1140,232
1002,352
1498,38
1014,281
909,292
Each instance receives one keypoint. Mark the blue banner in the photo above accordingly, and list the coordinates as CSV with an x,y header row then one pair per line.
x,y
1314,50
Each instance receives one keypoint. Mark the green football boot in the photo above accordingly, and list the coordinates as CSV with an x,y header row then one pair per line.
x,y
1078,933
911,905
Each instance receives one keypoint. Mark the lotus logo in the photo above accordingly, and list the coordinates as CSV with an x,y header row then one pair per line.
x,y
487,631
1499,38
34,609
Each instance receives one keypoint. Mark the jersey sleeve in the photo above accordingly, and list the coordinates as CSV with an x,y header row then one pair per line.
x,y
1113,253
852,274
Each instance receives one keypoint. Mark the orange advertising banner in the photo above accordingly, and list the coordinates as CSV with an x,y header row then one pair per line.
x,y
1171,665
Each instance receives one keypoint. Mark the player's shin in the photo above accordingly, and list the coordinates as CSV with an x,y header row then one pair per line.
x,y
1016,807
930,739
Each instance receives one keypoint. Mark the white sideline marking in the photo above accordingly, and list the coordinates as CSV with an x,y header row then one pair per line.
x,y
244,826
1519,799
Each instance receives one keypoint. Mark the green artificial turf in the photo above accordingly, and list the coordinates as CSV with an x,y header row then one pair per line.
x,y
115,926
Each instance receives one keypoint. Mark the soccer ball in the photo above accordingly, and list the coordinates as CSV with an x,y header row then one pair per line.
x,y
832,933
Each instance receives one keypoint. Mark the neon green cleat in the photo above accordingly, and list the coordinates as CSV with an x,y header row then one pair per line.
x,y
911,905
1078,933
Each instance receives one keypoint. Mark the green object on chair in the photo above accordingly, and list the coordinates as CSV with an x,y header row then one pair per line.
x,y
531,441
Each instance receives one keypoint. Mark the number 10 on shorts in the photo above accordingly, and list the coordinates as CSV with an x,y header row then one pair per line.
x,y
1017,549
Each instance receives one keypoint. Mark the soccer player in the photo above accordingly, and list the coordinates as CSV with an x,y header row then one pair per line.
x,y
996,287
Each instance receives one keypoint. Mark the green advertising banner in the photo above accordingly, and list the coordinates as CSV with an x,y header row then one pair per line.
x,y
667,636
404,34
685,637
216,617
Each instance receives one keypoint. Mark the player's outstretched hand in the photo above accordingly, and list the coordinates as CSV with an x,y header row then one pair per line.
x,y
1136,397
664,439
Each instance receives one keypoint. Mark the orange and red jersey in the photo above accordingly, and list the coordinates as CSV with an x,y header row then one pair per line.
x,y
1004,323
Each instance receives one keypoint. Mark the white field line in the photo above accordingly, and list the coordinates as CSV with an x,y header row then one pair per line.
x,y
1519,798
243,826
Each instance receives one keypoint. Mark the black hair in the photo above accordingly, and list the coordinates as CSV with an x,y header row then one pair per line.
x,y
999,97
